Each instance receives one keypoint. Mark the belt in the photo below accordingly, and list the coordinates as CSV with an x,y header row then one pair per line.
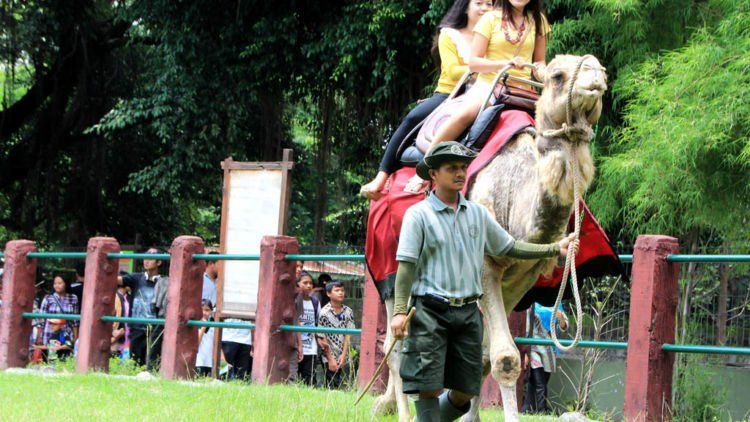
x,y
451,301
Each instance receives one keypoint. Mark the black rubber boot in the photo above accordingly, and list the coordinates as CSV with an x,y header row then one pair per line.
x,y
428,410
449,412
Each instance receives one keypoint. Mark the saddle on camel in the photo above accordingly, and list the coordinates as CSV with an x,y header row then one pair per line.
x,y
510,115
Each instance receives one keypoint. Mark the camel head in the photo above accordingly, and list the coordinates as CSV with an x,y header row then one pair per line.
x,y
560,146
588,89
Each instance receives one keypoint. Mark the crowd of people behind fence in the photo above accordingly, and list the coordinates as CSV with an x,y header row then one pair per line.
x,y
321,359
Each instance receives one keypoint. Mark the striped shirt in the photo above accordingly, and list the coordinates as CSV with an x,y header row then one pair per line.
x,y
56,304
449,246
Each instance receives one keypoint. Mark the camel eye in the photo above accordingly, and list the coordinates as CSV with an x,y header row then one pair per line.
x,y
557,76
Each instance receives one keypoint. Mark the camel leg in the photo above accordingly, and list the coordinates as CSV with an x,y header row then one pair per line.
x,y
394,394
473,414
504,357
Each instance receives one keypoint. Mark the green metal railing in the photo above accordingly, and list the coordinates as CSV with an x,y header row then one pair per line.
x,y
625,258
709,350
132,320
227,257
157,256
43,315
298,257
217,324
619,345
65,255
708,258
590,344
667,347
195,323
320,330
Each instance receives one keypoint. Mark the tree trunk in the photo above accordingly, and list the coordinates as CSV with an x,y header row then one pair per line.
x,y
273,130
690,284
321,169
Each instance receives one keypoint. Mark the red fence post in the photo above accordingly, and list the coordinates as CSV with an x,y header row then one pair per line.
x,y
271,347
374,328
99,286
19,276
180,344
653,304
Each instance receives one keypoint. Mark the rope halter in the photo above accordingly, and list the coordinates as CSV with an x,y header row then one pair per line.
x,y
574,134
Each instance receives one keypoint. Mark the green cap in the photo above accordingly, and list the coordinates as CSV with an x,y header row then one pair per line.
x,y
442,153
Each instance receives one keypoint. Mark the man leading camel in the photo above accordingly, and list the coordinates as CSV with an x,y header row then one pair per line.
x,y
441,252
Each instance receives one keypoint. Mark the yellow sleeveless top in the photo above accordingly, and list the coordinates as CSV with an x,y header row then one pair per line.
x,y
454,56
490,26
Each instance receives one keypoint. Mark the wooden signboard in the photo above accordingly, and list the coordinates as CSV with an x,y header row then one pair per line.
x,y
255,203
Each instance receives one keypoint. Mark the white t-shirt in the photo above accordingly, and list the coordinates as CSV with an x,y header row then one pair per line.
x,y
237,335
307,319
205,350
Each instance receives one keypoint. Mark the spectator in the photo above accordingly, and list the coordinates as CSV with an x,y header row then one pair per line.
x,y
59,344
236,343
298,269
59,302
159,303
541,361
120,345
37,324
335,315
142,286
204,360
320,289
77,286
209,280
308,308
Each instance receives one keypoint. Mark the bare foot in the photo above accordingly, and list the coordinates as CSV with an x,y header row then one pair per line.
x,y
373,190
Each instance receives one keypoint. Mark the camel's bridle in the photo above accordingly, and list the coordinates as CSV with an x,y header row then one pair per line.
x,y
567,132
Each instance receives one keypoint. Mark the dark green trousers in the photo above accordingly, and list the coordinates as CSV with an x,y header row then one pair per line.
x,y
443,349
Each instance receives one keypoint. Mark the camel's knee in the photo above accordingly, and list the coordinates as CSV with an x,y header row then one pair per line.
x,y
506,367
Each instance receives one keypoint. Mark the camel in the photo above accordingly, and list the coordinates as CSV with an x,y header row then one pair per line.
x,y
529,190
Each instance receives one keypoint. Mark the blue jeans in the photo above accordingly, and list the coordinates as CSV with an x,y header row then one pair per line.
x,y
389,163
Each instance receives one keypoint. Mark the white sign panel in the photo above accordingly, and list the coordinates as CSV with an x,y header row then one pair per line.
x,y
255,205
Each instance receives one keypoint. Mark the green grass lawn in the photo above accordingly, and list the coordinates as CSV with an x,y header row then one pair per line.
x,y
86,397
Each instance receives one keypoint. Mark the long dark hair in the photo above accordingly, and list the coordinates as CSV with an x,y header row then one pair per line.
x,y
455,18
534,7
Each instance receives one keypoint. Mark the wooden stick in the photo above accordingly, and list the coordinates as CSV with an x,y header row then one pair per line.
x,y
385,359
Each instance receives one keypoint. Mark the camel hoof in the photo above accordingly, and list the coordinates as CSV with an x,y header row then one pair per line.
x,y
383,406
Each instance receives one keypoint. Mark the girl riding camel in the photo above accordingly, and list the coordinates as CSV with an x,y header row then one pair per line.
x,y
453,43
515,34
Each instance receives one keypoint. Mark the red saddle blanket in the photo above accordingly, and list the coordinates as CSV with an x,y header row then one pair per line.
x,y
595,258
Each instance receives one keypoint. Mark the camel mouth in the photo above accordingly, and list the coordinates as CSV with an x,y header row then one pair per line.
x,y
590,93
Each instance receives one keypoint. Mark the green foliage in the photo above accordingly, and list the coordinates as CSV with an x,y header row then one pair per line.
x,y
681,160
697,394
128,142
